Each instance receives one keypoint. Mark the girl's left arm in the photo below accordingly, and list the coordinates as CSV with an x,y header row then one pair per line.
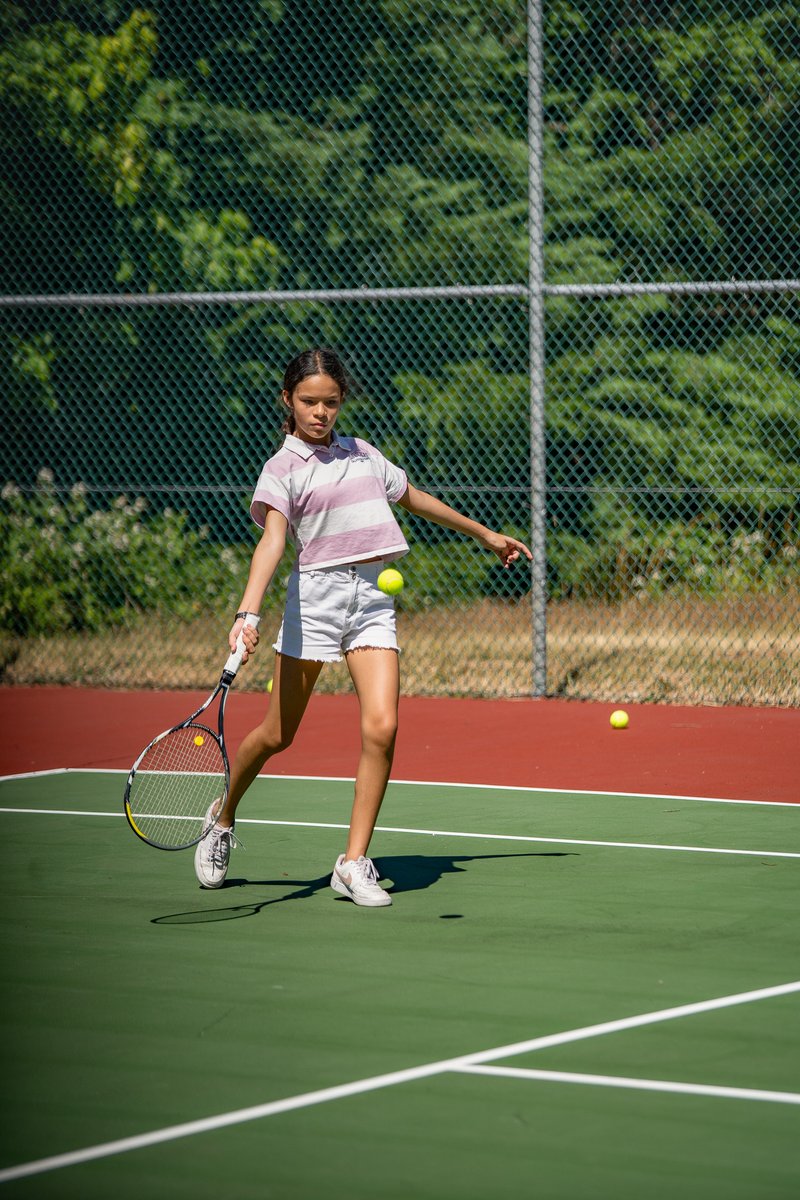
x,y
422,504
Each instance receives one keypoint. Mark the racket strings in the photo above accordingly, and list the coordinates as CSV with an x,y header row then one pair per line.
x,y
178,779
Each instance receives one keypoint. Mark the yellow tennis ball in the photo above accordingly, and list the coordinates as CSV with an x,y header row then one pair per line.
x,y
198,741
269,686
390,581
619,719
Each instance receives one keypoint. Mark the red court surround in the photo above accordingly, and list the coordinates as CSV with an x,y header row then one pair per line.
x,y
737,753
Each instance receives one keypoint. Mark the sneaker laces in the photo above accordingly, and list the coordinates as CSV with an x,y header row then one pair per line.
x,y
215,853
366,869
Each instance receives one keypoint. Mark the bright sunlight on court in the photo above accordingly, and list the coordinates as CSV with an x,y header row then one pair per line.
x,y
573,999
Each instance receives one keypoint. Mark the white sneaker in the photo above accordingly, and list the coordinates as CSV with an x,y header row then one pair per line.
x,y
358,880
213,852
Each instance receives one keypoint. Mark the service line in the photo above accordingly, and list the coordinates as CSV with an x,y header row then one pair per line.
x,y
637,1085
451,833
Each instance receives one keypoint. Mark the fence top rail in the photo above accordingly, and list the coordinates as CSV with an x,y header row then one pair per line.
x,y
374,295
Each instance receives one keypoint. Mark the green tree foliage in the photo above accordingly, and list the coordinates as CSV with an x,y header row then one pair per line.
x,y
251,144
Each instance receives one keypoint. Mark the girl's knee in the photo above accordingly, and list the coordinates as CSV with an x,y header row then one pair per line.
x,y
380,730
273,741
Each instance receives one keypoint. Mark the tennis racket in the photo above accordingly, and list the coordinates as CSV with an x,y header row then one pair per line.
x,y
176,779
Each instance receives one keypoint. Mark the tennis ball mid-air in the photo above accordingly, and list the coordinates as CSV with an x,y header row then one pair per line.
x,y
390,581
269,686
198,741
619,719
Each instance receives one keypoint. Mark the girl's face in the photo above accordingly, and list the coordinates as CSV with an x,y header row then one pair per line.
x,y
315,403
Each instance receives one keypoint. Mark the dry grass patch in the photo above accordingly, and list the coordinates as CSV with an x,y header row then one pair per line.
x,y
740,650
737,650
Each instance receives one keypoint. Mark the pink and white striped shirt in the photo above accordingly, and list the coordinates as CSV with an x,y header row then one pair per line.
x,y
335,499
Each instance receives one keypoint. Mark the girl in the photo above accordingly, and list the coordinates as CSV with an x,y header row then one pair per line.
x,y
331,495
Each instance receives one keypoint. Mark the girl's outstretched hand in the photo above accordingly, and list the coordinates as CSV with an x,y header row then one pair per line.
x,y
248,632
507,549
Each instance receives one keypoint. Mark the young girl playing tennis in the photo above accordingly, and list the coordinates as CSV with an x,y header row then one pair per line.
x,y
331,495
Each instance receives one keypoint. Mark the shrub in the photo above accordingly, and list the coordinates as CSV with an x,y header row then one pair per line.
x,y
67,566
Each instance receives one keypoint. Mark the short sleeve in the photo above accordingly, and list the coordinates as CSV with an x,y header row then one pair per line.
x,y
272,491
396,481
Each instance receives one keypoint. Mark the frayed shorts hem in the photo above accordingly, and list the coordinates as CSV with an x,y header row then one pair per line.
x,y
310,656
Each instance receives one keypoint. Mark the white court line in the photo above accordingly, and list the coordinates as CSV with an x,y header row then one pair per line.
x,y
492,787
639,1085
376,1082
34,774
452,833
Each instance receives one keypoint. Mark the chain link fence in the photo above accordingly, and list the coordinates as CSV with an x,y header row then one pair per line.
x,y
558,247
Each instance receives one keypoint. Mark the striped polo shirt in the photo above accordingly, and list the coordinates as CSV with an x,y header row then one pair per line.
x,y
335,499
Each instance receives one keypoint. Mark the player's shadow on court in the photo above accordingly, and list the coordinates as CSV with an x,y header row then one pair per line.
x,y
415,872
403,872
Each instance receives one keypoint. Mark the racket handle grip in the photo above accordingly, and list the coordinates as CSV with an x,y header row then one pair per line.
x,y
235,659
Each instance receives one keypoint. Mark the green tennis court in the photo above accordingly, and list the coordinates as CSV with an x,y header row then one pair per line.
x,y
572,995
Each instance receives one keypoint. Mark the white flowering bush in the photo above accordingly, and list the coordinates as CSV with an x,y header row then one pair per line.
x,y
702,557
65,565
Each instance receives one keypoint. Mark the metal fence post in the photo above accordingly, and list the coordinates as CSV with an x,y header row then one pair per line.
x,y
536,350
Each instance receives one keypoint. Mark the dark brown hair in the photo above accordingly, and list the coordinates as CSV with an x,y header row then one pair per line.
x,y
320,360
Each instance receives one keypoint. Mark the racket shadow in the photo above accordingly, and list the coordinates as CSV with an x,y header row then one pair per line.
x,y
304,890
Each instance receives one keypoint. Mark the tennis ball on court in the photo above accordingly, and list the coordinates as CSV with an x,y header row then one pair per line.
x,y
619,719
198,741
390,581
269,686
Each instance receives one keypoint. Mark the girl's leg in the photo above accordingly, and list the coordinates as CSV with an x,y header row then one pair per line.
x,y
376,677
291,691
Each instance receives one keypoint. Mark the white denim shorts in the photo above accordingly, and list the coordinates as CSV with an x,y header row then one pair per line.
x,y
336,609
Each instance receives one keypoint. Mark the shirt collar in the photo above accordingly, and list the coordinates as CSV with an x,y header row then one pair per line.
x,y
306,449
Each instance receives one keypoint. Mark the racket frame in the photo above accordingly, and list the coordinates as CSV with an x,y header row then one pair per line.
x,y
222,689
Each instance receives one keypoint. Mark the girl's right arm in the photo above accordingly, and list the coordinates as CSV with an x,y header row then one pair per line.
x,y
264,563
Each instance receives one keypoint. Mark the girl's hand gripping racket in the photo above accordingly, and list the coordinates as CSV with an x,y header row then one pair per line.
x,y
176,779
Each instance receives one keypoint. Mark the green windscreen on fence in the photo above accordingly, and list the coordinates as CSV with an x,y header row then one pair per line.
x,y
174,175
